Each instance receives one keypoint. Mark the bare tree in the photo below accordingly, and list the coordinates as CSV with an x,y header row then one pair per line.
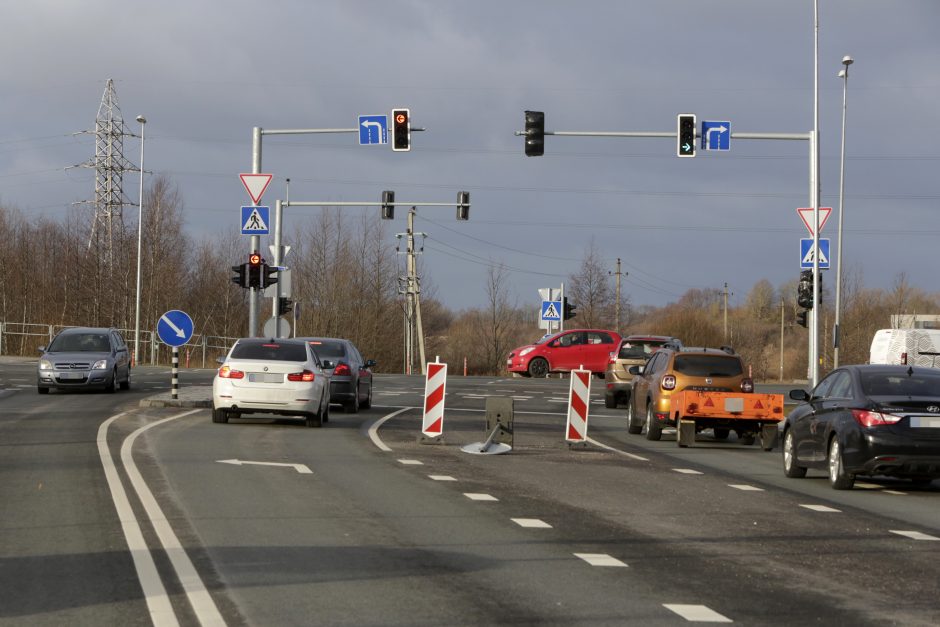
x,y
591,291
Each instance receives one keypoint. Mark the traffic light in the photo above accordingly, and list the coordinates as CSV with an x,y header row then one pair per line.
x,y
685,146
804,295
401,130
284,306
568,309
388,205
801,318
241,274
268,275
463,205
254,271
534,133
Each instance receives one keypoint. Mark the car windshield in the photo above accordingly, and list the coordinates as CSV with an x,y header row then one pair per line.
x,y
638,349
901,384
708,366
326,349
81,343
269,351
547,337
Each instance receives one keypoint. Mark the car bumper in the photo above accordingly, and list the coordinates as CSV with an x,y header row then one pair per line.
x,y
341,391
890,454
291,400
517,364
74,378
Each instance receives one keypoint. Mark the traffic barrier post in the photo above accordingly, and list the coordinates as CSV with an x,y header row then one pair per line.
x,y
578,401
435,383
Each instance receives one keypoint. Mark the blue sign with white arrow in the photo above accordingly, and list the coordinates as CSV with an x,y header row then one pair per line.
x,y
806,253
373,129
175,327
255,220
716,135
551,310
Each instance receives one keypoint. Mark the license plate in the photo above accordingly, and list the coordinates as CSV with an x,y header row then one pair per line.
x,y
265,377
925,422
71,375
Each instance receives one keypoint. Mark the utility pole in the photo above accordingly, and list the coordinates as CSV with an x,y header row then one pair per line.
x,y
618,274
782,310
414,331
725,293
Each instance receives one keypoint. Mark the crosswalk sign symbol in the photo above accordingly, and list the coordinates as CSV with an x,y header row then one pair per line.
x,y
255,220
806,253
551,310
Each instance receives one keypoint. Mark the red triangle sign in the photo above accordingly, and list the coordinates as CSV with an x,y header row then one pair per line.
x,y
806,214
255,184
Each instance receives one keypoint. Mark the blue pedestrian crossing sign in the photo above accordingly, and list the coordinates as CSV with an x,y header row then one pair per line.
x,y
373,129
806,253
551,310
255,220
716,135
175,327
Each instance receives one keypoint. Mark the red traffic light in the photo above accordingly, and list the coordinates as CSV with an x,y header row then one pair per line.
x,y
254,259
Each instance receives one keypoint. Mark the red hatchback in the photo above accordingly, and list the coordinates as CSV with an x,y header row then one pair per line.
x,y
565,351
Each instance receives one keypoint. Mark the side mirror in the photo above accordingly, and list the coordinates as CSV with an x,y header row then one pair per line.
x,y
328,364
635,370
42,349
799,395
370,363
220,360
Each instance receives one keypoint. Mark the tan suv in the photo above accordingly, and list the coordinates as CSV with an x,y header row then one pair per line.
x,y
671,370
633,350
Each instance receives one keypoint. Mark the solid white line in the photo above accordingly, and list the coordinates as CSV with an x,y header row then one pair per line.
x,y
531,523
687,471
205,609
820,508
697,613
745,487
442,478
894,492
615,450
411,462
600,559
374,429
474,496
914,535
158,603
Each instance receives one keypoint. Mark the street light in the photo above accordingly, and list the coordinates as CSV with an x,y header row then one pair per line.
x,y
837,335
140,231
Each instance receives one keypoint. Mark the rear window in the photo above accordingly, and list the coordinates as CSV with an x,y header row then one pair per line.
x,y
327,349
708,366
638,349
270,351
81,342
883,384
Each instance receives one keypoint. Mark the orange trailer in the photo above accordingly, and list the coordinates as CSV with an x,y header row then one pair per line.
x,y
747,414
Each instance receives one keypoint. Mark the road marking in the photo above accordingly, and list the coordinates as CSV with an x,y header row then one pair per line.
x,y
521,398
820,508
618,451
374,430
697,613
914,535
867,486
411,462
475,395
442,477
745,487
558,400
301,468
475,496
531,523
600,559
895,492
687,471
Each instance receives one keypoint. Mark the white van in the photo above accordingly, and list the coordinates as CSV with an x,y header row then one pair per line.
x,y
915,347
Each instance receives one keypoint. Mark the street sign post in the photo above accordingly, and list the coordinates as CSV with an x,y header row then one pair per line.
x,y
256,220
373,129
175,328
806,253
716,135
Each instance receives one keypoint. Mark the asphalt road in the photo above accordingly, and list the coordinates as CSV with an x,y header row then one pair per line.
x,y
359,523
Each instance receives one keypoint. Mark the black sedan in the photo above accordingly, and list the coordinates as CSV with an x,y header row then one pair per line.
x,y
867,420
350,374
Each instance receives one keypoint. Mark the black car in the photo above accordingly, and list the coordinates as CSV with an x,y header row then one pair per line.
x,y
350,374
867,420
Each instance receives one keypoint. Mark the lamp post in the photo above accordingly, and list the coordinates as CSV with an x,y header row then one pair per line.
x,y
140,231
837,331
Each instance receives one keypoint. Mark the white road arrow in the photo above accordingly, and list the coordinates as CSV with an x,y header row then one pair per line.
x,y
301,468
179,332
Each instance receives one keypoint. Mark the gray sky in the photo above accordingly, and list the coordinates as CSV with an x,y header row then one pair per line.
x,y
205,72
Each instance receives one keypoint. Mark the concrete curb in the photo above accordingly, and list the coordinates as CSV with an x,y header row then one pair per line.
x,y
188,396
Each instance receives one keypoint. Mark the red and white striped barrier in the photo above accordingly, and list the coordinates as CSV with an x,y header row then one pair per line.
x,y
434,384
578,401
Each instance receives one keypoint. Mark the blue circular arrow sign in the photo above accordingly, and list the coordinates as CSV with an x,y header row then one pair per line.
x,y
175,327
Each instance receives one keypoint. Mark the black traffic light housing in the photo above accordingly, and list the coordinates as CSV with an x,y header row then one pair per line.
x,y
534,133
685,146
804,294
401,130
801,318
568,310
241,275
253,279
284,306
388,205
268,275
463,205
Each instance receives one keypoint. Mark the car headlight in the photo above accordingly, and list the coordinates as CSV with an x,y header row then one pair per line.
x,y
526,351
101,364
45,364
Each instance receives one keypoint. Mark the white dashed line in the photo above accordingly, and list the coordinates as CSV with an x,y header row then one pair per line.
x,y
745,487
521,398
914,535
475,496
558,400
867,486
442,478
895,492
618,451
600,559
411,462
697,613
531,523
687,471
820,508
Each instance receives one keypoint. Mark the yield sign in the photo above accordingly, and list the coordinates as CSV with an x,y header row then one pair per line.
x,y
806,214
256,184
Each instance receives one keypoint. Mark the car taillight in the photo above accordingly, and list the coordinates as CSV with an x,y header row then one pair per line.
x,y
226,372
903,359
341,369
747,385
612,360
669,382
873,418
306,375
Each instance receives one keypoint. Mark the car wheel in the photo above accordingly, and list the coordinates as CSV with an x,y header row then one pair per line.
x,y
112,386
721,434
351,407
653,430
538,368
610,401
315,419
366,404
631,427
790,468
325,412
42,390
838,478
219,416
126,384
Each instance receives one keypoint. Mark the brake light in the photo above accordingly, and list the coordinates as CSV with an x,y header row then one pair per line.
x,y
612,360
873,418
747,385
669,382
225,372
306,375
903,359
341,369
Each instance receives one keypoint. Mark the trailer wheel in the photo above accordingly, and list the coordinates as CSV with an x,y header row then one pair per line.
x,y
721,433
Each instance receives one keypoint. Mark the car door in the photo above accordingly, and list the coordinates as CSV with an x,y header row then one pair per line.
x,y
566,350
597,350
121,356
641,385
829,410
806,438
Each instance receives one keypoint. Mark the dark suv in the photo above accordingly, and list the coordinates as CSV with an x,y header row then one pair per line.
x,y
85,357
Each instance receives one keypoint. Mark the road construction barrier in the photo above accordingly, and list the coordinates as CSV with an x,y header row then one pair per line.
x,y
435,382
578,400
499,416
